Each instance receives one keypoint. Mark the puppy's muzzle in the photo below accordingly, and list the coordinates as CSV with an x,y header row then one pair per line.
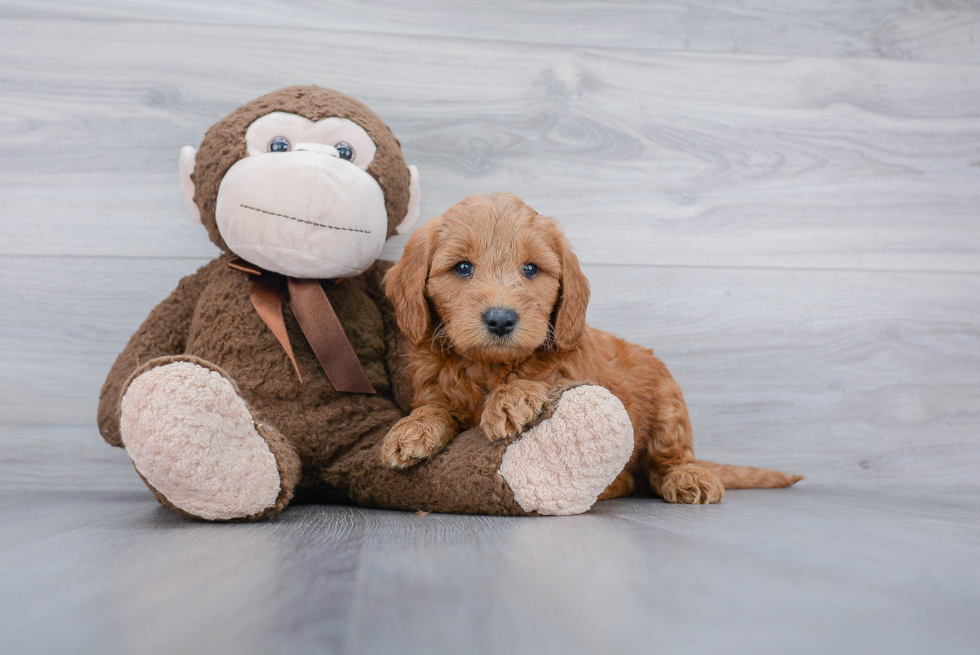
x,y
500,320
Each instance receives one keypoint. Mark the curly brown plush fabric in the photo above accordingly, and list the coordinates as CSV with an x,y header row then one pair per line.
x,y
224,144
323,441
217,422
210,317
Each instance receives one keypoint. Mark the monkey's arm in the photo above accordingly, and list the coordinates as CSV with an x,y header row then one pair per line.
x,y
397,346
163,333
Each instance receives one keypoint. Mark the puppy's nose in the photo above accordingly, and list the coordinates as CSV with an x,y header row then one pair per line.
x,y
500,320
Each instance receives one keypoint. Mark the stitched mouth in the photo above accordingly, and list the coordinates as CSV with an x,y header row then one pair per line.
x,y
303,220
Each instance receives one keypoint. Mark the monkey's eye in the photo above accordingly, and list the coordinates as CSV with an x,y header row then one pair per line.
x,y
529,270
279,144
344,150
463,269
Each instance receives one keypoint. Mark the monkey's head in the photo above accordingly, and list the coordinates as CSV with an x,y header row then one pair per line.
x,y
304,181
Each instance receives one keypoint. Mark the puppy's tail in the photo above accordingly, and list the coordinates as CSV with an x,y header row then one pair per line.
x,y
749,477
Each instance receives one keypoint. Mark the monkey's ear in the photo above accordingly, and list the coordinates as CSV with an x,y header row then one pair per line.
x,y
187,158
414,202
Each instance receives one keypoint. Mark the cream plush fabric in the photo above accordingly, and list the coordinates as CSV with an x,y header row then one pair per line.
x,y
562,465
192,437
307,214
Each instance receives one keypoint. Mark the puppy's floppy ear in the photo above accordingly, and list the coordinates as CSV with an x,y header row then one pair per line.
x,y
573,297
405,286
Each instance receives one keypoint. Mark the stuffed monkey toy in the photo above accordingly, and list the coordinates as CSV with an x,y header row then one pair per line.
x,y
275,371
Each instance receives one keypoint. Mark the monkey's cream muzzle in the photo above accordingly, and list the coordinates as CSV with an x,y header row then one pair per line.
x,y
305,213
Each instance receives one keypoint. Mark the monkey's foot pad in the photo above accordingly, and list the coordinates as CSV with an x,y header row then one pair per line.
x,y
193,439
561,465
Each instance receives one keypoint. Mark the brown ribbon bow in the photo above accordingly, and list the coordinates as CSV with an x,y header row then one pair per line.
x,y
316,319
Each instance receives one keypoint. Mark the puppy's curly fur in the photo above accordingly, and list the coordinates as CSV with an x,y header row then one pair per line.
x,y
465,374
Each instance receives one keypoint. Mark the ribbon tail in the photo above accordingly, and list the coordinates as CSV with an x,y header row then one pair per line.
x,y
267,300
326,336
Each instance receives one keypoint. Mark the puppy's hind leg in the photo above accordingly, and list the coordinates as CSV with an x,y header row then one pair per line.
x,y
622,486
687,483
674,473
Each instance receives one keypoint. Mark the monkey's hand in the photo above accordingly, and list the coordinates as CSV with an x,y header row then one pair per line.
x,y
512,406
420,435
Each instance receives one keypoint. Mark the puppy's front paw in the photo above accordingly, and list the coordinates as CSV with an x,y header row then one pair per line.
x,y
410,441
511,407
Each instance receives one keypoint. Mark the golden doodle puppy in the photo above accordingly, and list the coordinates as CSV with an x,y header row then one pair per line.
x,y
493,299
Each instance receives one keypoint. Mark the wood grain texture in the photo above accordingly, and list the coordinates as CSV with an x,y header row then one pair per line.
x,y
922,30
646,157
847,377
806,570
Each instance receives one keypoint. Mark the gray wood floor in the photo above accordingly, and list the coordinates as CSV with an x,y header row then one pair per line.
x,y
782,198
818,570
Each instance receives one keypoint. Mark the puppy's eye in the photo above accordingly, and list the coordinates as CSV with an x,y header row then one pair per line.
x,y
279,144
345,150
463,269
529,270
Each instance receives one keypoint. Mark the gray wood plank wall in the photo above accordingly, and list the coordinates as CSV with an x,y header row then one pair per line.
x,y
781,198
